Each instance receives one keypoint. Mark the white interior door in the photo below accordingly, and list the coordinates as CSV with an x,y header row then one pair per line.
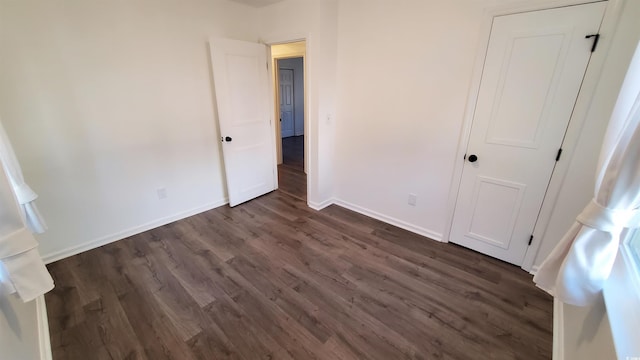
x,y
287,111
240,74
533,71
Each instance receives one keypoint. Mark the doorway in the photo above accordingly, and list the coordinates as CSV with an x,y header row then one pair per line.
x,y
289,99
534,67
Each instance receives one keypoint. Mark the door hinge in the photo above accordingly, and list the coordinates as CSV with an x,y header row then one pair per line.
x,y
595,40
465,157
559,154
530,240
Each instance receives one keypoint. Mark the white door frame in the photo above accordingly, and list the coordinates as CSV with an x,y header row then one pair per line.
x,y
276,87
589,84
309,136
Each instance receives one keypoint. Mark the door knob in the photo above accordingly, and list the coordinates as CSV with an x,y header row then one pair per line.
x,y
228,139
473,158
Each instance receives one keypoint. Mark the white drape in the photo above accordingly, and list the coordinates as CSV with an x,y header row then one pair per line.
x,y
577,268
22,191
21,268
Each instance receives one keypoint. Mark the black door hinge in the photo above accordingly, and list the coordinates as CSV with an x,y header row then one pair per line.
x,y
595,41
530,240
559,154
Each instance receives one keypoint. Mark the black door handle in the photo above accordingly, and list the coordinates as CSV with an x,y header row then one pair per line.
x,y
228,139
595,41
473,158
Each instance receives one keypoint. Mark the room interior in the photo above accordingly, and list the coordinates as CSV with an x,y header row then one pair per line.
x,y
111,110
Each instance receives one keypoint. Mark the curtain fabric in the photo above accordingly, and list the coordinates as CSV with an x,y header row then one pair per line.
x,y
578,267
21,268
23,192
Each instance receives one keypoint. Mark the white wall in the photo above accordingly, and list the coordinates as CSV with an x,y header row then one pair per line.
x,y
404,70
19,336
298,87
586,333
315,20
289,49
105,102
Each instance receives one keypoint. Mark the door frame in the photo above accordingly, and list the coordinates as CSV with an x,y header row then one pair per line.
x,y
573,132
309,137
276,85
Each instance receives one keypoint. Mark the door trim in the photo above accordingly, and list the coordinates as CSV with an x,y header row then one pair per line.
x,y
572,135
310,138
276,88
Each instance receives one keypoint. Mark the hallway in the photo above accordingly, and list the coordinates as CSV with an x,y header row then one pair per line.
x,y
291,177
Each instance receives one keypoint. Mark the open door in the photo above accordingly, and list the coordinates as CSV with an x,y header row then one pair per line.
x,y
286,95
240,73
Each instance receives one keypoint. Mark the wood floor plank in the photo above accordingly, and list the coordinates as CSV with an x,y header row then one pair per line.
x,y
297,342
64,304
212,343
264,281
274,279
249,340
115,332
381,342
152,328
291,179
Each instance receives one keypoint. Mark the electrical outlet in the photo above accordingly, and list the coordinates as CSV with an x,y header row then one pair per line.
x,y
162,193
413,199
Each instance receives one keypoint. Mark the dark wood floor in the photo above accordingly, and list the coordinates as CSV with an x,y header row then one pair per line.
x,y
291,177
273,279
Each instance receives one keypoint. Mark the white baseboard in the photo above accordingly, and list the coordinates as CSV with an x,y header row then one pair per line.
x,y
320,205
61,254
390,220
44,340
558,330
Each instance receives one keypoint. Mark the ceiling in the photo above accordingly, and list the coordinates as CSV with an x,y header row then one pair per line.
x,y
257,3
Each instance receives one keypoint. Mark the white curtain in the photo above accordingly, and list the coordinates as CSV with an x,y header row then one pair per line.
x,y
578,267
21,268
23,192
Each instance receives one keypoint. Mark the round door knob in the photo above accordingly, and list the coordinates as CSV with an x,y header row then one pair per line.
x,y
228,139
473,158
